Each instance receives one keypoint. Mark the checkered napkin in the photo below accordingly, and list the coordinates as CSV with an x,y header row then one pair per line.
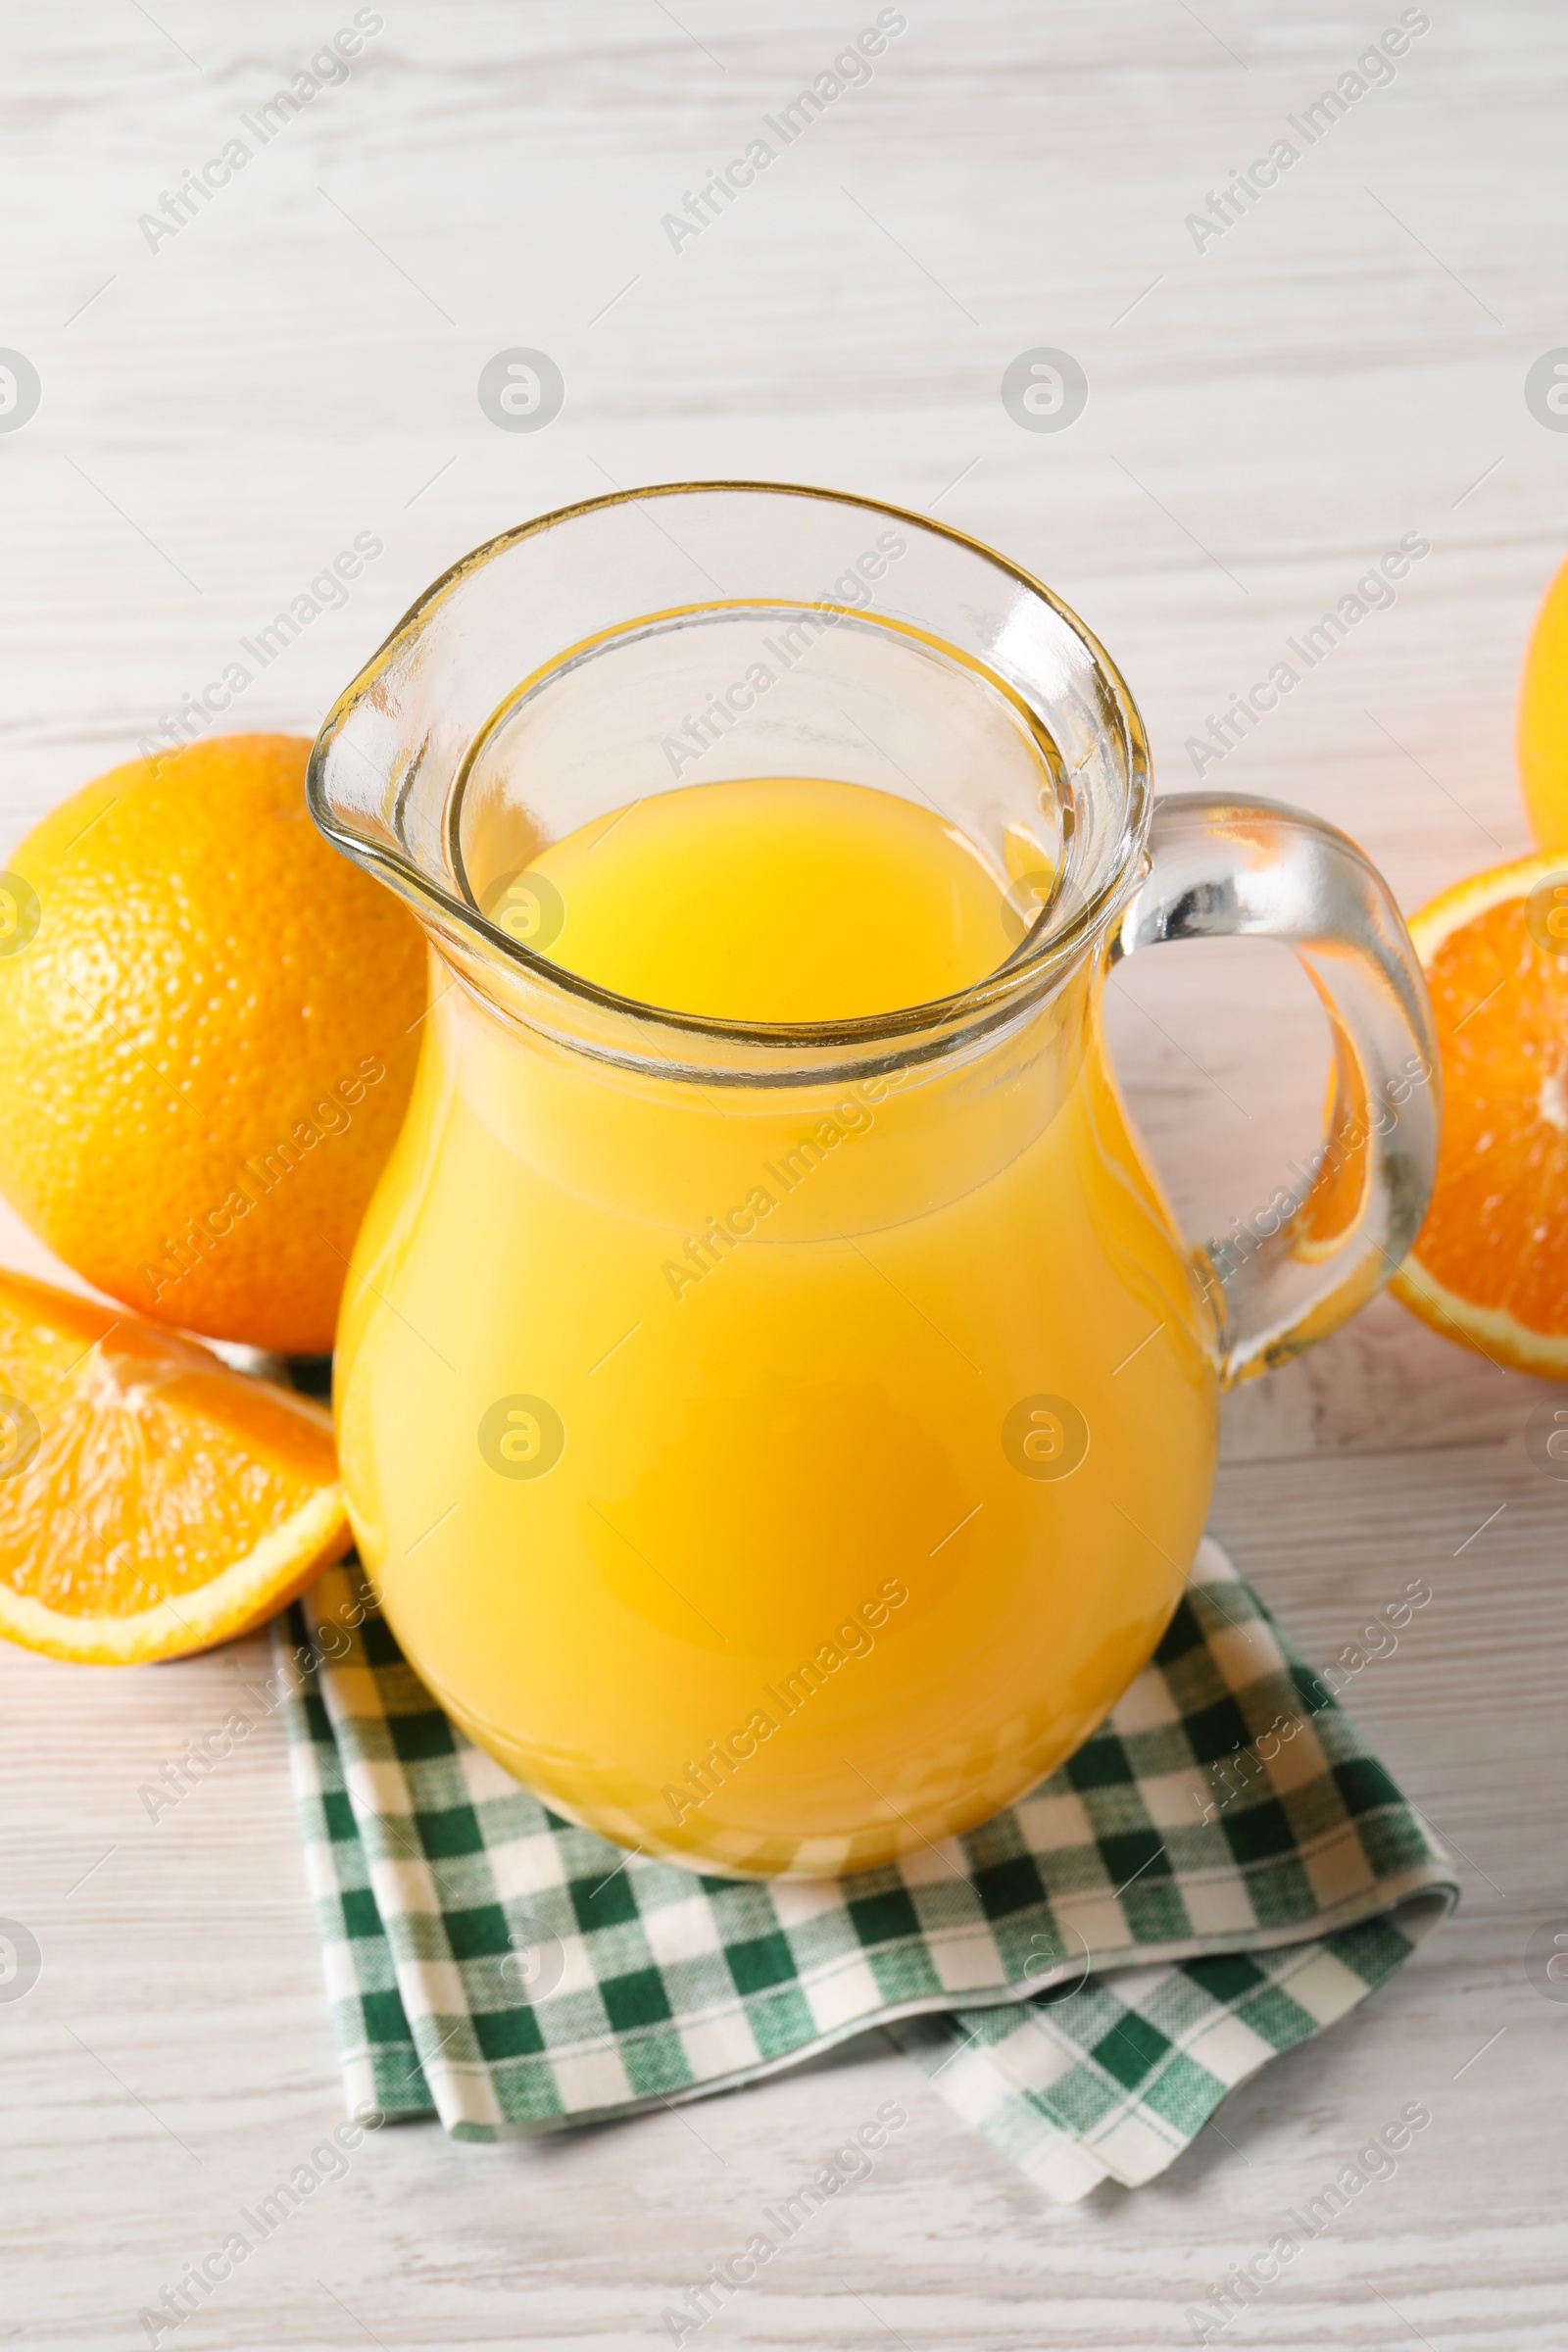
x,y
1219,1872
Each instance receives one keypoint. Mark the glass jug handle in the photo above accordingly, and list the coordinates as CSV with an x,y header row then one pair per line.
x,y
1296,1270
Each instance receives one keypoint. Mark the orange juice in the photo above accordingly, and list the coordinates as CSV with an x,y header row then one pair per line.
x,y
774,1477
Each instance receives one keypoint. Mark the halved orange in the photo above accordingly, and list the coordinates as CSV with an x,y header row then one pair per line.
x,y
1490,1265
152,1501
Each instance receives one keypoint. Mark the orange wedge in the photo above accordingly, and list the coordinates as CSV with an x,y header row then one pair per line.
x,y
1490,1266
152,1501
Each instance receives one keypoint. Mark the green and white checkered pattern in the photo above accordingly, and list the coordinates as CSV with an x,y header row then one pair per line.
x,y
1220,1872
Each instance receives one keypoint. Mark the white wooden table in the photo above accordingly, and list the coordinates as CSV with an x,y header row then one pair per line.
x,y
225,407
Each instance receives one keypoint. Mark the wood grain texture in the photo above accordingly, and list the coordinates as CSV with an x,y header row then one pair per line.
x,y
1345,366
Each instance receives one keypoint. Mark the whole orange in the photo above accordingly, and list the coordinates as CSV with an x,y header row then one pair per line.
x,y
1542,733
208,1030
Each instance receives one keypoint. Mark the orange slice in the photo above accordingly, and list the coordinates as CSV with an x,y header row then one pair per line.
x,y
1490,1265
152,1501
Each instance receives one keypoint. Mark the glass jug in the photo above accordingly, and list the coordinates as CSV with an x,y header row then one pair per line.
x,y
781,1445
